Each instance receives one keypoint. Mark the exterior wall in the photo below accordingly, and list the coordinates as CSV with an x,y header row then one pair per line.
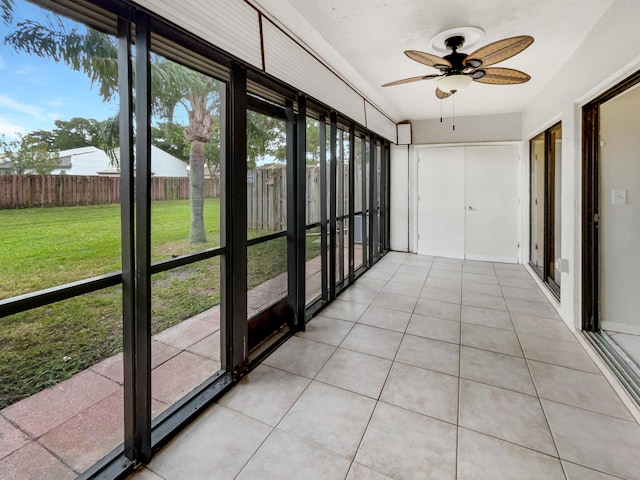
x,y
90,161
604,59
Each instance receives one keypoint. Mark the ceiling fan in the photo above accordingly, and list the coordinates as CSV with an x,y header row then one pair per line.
x,y
458,70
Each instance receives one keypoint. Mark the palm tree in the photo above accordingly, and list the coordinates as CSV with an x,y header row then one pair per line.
x,y
173,86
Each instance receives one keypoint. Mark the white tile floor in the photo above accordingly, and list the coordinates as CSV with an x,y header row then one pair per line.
x,y
424,369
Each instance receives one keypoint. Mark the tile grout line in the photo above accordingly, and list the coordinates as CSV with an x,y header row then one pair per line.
x,y
459,379
274,427
535,386
376,404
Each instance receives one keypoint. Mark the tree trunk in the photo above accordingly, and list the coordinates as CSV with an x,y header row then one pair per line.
x,y
196,192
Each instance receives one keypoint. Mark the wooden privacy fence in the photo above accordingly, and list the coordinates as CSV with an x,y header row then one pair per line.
x,y
267,196
24,191
266,193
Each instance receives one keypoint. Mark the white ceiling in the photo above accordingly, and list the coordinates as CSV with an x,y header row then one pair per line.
x,y
363,41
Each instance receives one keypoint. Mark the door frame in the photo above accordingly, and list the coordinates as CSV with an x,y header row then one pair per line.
x,y
523,202
591,202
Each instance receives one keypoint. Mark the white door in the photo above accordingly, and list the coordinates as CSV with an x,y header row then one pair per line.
x,y
491,231
441,202
468,202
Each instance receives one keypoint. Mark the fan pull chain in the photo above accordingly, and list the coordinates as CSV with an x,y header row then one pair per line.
x,y
453,97
441,110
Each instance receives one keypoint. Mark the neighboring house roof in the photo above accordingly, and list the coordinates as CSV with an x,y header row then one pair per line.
x,y
92,161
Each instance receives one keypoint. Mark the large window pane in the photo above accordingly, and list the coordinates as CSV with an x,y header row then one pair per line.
x,y
266,275
266,211
266,174
555,185
546,194
60,364
358,203
185,330
62,377
313,265
186,160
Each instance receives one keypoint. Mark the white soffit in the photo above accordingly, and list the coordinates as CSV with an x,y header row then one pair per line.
x,y
380,124
288,61
231,25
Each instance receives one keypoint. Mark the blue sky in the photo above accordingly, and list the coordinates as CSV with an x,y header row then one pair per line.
x,y
35,91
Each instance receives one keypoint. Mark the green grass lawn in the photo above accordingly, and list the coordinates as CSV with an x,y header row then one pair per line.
x,y
48,247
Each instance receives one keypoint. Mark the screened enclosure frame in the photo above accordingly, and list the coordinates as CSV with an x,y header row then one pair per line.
x,y
243,343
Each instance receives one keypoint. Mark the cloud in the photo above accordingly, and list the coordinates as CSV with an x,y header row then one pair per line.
x,y
32,110
9,129
26,70
31,74
58,102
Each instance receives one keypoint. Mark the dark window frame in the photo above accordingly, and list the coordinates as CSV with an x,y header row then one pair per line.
x,y
591,201
548,208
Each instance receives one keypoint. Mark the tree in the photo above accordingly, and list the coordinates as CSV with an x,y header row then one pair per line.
x,y
265,136
6,10
313,141
75,133
174,87
27,154
170,138
95,54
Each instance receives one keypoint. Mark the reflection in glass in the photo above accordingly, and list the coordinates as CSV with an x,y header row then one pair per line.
x,y
555,184
537,158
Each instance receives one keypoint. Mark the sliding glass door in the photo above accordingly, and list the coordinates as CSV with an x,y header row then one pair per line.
x,y
545,154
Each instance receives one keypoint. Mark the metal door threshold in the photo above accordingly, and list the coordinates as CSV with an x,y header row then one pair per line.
x,y
625,369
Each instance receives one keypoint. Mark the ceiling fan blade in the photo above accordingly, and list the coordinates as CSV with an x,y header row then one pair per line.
x,y
440,94
411,79
428,59
502,76
498,51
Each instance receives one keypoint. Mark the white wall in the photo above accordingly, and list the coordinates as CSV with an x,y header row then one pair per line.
x,y
483,128
610,52
399,212
505,127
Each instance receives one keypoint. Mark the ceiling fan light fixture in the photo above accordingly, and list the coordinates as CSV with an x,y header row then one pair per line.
x,y
453,83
